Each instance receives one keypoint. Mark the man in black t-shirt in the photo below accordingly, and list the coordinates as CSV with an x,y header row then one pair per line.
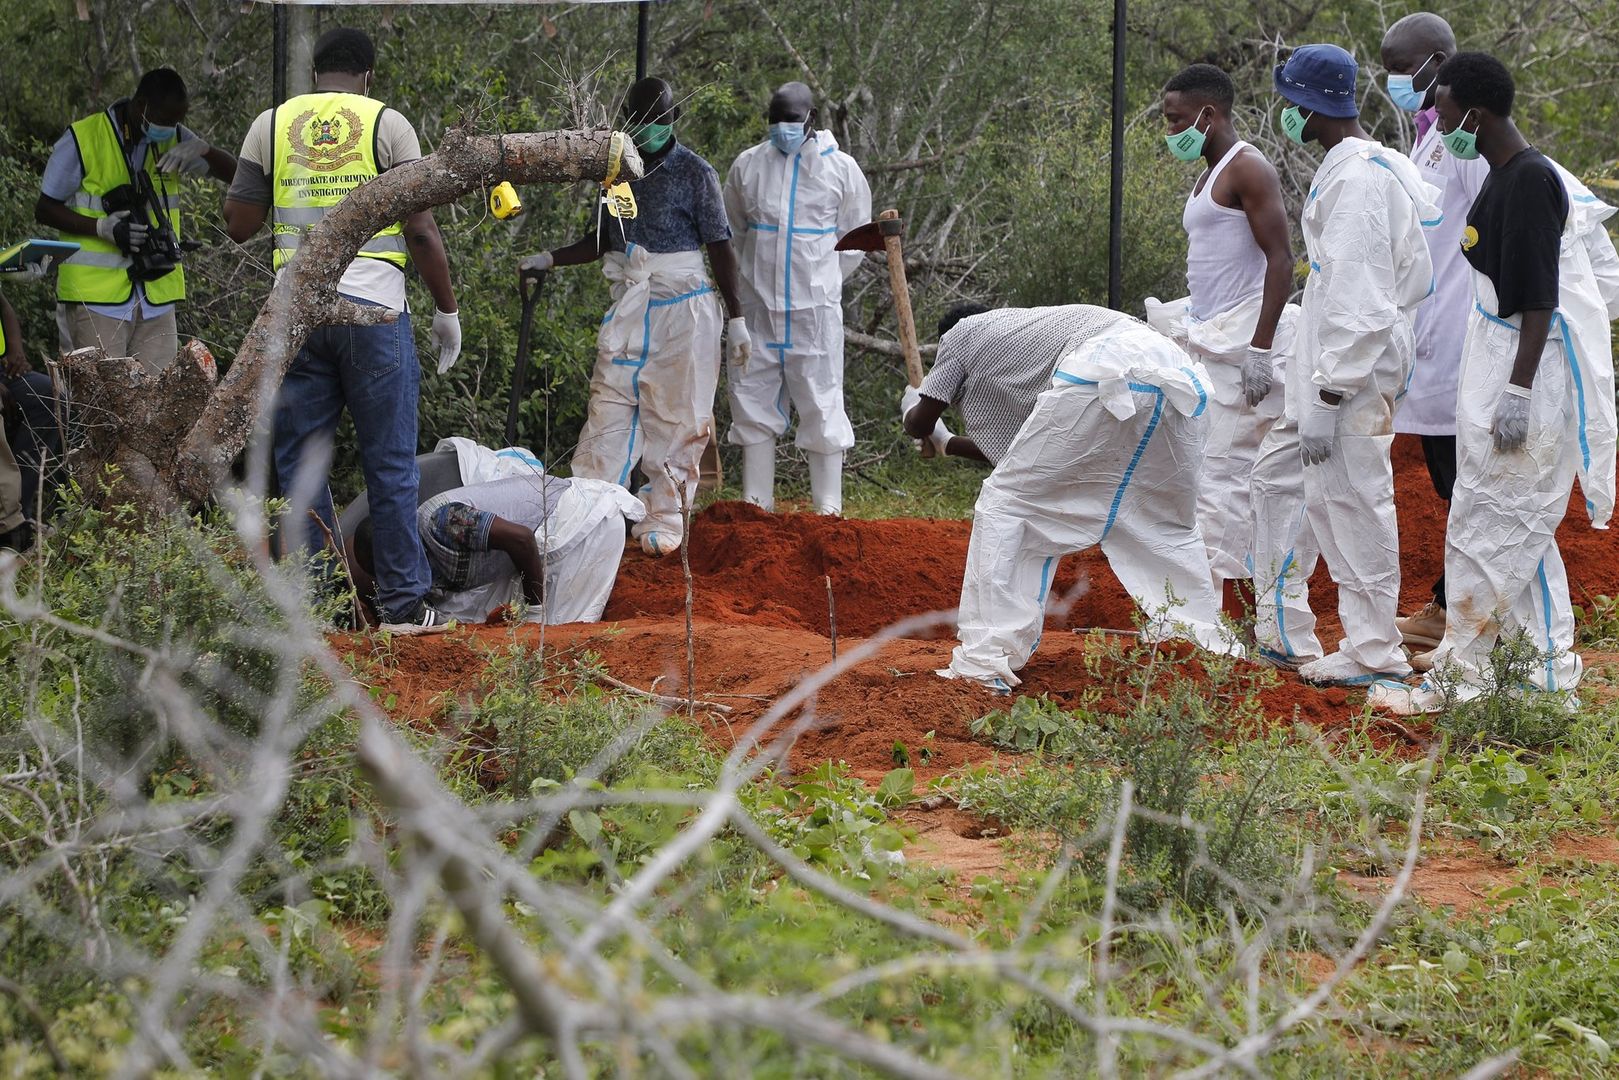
x,y
1535,398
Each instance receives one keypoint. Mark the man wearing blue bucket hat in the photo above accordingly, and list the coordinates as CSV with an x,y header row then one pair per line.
x,y
1363,227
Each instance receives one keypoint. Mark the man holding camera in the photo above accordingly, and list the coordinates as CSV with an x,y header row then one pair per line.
x,y
112,186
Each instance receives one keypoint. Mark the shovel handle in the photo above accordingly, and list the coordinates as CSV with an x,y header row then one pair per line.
x,y
519,392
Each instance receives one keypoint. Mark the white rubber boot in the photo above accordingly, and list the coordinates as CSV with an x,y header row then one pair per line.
x,y
759,474
826,481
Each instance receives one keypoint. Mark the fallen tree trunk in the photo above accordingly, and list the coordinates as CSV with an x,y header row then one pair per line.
x,y
177,453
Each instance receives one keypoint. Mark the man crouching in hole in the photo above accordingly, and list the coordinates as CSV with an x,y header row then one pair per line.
x,y
554,542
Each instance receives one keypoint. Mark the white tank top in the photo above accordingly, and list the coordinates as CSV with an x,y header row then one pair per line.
x,y
1224,265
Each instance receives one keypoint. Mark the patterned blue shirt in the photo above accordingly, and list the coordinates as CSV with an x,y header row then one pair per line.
x,y
679,207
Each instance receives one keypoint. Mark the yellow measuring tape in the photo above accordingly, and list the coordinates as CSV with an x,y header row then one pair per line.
x,y
618,197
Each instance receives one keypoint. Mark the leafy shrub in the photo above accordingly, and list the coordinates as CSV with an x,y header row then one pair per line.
x,y
1510,710
555,736
181,588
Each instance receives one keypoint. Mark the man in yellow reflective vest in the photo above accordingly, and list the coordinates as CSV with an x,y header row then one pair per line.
x,y
299,160
112,185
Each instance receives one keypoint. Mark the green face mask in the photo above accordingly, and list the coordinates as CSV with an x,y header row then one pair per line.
x,y
652,137
1293,121
1461,144
1187,145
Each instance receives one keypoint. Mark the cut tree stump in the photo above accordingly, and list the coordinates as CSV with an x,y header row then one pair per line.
x,y
133,422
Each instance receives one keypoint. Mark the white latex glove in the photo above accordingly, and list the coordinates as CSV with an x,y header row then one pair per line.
x,y
537,264
109,228
446,338
1511,424
185,157
910,399
738,346
940,438
1318,430
35,271
1256,375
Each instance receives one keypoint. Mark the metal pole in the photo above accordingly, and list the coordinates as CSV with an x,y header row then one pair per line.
x,y
642,18
278,64
300,50
1115,222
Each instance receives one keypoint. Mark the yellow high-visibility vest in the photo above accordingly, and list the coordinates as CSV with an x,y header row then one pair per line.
x,y
325,147
98,273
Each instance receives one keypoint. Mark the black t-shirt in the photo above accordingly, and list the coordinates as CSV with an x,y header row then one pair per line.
x,y
1515,230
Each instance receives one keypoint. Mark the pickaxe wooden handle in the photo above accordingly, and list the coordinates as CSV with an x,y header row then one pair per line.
x,y
888,232
892,229
886,235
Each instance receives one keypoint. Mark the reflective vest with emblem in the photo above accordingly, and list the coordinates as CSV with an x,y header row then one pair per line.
x,y
98,273
325,147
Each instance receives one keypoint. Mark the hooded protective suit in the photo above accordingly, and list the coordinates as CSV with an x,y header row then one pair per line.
x,y
665,315
1108,456
1501,559
787,212
1363,226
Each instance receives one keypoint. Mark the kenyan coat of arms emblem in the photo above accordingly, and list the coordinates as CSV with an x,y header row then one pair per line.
x,y
324,144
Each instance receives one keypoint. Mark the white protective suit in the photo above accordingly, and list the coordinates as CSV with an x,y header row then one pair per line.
x,y
1429,405
1502,566
787,212
1108,456
581,542
652,391
1225,508
1363,225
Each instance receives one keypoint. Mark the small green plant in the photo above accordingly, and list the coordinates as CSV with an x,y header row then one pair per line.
x,y
1511,709
1597,623
832,819
1035,723
556,732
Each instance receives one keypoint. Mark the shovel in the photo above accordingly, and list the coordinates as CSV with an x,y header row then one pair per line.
x,y
531,298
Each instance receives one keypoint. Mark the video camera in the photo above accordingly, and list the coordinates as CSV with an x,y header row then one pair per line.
x,y
162,251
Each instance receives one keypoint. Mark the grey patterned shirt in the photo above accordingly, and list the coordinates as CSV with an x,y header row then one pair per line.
x,y
991,367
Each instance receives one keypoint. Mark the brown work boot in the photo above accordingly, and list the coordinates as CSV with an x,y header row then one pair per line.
x,y
1425,629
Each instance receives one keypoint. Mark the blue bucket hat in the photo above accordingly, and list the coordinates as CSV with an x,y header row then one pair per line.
x,y
1320,78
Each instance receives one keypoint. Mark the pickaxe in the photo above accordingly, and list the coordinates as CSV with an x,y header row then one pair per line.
x,y
886,235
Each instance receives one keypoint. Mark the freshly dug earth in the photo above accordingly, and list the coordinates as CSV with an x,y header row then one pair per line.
x,y
769,570
762,626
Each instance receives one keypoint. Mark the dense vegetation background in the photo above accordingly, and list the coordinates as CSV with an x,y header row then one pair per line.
x,y
986,121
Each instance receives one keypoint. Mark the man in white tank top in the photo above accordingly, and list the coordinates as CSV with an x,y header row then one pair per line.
x,y
1413,50
1236,320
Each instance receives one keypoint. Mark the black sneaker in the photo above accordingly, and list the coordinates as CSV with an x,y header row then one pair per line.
x,y
427,620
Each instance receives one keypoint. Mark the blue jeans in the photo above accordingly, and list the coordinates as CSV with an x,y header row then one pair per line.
x,y
36,438
372,371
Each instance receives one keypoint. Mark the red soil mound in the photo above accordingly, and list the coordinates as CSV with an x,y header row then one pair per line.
x,y
761,569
